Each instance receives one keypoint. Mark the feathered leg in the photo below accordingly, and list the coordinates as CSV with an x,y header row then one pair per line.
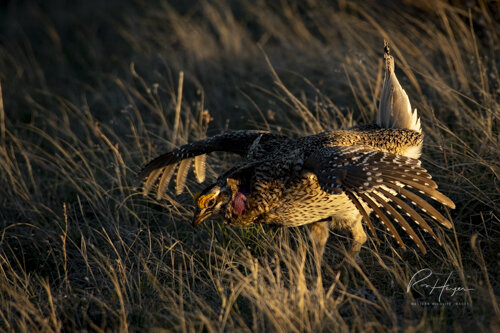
x,y
359,238
319,235
319,232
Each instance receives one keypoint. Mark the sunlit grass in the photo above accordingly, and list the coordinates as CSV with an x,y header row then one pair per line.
x,y
81,248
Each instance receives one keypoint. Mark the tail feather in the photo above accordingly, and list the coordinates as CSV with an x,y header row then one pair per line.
x,y
395,108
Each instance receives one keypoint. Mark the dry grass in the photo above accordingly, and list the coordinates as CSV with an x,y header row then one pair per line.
x,y
91,92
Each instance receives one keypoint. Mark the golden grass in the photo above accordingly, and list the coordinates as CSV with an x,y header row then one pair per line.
x,y
95,96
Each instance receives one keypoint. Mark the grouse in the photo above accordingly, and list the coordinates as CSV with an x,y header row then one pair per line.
x,y
335,178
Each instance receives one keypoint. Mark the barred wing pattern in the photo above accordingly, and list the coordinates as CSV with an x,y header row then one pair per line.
x,y
180,159
376,180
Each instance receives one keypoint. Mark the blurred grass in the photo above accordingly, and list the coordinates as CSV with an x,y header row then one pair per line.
x,y
90,92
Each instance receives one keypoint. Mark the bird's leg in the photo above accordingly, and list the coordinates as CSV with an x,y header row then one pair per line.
x,y
319,235
359,238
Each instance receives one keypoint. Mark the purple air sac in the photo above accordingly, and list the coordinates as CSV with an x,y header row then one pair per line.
x,y
239,203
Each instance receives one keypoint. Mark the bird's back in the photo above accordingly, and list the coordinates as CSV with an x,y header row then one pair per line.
x,y
290,194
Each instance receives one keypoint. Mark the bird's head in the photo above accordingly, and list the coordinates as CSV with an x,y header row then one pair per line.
x,y
210,201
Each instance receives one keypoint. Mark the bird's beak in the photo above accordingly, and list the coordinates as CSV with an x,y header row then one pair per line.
x,y
199,217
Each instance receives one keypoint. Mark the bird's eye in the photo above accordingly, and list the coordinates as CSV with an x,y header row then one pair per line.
x,y
211,202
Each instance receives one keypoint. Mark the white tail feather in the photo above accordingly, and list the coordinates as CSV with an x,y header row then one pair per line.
x,y
395,109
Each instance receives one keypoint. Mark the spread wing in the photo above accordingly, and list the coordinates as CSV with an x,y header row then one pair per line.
x,y
380,181
164,166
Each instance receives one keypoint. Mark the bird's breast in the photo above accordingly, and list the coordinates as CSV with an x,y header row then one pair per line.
x,y
303,202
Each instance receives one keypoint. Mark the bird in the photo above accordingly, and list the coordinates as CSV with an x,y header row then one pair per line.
x,y
332,179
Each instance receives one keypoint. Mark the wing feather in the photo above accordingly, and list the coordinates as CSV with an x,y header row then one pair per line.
x,y
384,219
378,178
400,220
238,142
150,180
199,167
422,188
422,204
410,212
364,214
168,172
182,172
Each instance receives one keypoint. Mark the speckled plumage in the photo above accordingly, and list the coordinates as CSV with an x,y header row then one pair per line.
x,y
338,176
